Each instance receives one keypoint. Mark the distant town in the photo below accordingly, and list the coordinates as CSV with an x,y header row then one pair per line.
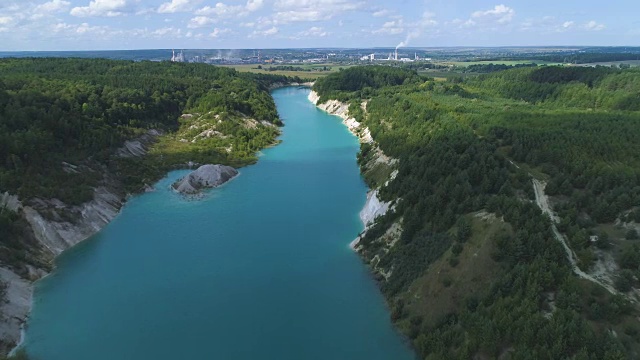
x,y
442,56
428,56
230,57
311,63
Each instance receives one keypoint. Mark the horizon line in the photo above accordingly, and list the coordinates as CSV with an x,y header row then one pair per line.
x,y
343,48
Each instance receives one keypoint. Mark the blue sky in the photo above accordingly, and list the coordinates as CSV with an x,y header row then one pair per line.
x,y
149,24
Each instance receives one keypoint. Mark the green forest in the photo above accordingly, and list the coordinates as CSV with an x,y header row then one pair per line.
x,y
74,110
461,287
62,121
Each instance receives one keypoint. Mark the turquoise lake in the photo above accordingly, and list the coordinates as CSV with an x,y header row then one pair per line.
x,y
258,269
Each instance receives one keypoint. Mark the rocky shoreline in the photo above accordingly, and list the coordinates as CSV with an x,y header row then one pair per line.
x,y
57,226
206,176
373,207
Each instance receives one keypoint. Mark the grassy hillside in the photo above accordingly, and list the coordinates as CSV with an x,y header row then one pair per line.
x,y
300,72
476,271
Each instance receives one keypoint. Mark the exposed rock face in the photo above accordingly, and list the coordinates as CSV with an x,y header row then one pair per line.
x,y
373,208
138,147
58,234
55,233
206,176
340,109
10,202
89,218
58,226
15,310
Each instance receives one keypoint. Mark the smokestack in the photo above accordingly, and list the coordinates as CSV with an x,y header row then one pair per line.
x,y
396,52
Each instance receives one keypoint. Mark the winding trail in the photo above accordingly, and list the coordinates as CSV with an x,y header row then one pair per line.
x,y
543,203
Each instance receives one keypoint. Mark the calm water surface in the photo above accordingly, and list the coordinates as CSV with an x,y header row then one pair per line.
x,y
259,269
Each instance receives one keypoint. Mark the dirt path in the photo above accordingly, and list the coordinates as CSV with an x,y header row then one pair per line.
x,y
543,203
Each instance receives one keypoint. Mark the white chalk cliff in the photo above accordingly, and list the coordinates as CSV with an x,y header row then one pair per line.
x,y
56,232
374,207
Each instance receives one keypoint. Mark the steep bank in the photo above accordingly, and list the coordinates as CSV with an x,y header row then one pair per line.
x,y
56,226
74,139
374,206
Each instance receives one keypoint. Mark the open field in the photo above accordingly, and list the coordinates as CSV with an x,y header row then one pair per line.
x,y
441,75
311,71
499,62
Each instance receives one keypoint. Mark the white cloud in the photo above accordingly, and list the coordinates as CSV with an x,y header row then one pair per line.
x,y
500,14
83,29
221,9
217,32
200,21
254,5
224,10
259,23
301,15
381,13
313,31
268,32
549,25
166,31
312,10
61,26
417,28
146,11
86,28
177,6
101,8
427,20
52,6
594,26
263,22
394,27
6,23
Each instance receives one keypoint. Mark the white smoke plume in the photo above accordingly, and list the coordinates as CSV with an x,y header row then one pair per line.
x,y
427,20
412,35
